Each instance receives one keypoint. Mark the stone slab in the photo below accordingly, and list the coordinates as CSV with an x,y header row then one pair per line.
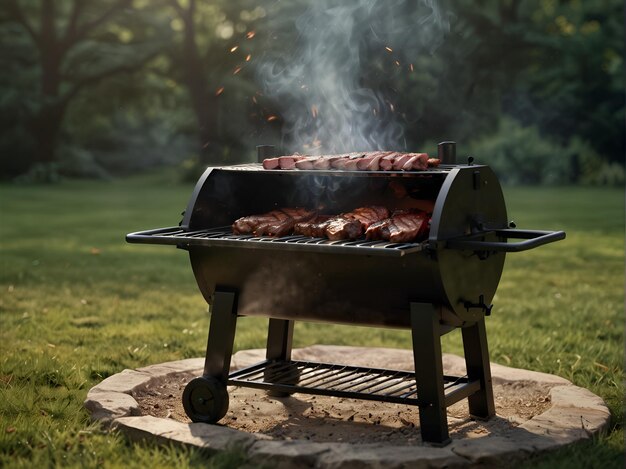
x,y
213,438
108,405
575,414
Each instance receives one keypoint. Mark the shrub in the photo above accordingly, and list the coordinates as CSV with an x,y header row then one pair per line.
x,y
520,155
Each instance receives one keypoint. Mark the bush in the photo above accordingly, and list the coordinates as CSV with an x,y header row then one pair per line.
x,y
520,155
592,169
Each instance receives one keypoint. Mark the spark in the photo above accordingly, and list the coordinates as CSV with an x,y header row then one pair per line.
x,y
219,91
374,111
391,107
233,49
248,57
411,67
250,34
272,118
254,99
237,70
397,63
314,111
389,49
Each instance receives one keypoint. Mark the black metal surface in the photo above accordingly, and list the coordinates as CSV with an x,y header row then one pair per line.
x,y
431,383
279,341
221,335
322,287
257,266
481,403
225,194
446,151
344,381
534,238
431,287
265,151
223,237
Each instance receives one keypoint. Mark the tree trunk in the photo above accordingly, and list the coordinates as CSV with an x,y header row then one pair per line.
x,y
46,127
46,124
203,103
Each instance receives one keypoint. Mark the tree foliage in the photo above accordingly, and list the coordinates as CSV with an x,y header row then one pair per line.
x,y
110,86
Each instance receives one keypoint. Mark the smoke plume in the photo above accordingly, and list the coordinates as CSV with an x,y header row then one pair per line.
x,y
332,85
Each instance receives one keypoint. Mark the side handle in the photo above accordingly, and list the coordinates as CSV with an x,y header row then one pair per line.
x,y
532,239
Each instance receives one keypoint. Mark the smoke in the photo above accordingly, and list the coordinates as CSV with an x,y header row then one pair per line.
x,y
334,86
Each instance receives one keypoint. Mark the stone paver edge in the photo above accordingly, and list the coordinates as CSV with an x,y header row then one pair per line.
x,y
125,418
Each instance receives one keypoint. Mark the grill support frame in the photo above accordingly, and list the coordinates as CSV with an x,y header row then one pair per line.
x,y
429,381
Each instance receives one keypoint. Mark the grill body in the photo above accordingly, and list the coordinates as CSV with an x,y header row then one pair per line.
x,y
367,285
431,287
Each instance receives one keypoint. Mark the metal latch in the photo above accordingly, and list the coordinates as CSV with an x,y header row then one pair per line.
x,y
481,304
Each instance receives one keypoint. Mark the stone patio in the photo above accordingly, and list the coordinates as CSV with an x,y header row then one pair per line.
x,y
536,412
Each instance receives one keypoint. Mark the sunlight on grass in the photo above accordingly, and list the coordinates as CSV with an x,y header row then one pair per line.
x,y
78,304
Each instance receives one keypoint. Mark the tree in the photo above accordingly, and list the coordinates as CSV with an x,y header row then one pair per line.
x,y
76,45
209,60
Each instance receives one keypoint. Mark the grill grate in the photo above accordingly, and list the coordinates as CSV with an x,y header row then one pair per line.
x,y
223,237
345,381
256,167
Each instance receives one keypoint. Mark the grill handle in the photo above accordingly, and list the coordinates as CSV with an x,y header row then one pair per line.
x,y
532,239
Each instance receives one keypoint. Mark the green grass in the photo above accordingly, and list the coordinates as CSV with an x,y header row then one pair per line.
x,y
78,304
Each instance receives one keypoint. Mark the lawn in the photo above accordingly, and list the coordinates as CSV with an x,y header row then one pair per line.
x,y
78,304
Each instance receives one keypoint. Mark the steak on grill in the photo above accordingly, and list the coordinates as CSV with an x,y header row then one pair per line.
x,y
349,225
274,223
314,228
402,227
342,227
368,215
362,161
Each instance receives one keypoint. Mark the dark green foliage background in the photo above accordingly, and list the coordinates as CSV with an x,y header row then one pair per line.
x,y
139,84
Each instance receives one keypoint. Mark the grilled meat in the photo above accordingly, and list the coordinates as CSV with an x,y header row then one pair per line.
x,y
421,162
433,162
368,215
349,225
353,224
398,162
374,221
305,163
402,227
314,228
289,162
321,163
386,162
367,161
371,162
342,227
274,223
271,163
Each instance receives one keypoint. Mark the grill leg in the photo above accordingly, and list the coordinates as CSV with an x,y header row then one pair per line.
x,y
205,399
279,340
221,335
429,373
481,403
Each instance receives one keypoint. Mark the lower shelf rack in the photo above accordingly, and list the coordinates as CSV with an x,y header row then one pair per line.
x,y
354,382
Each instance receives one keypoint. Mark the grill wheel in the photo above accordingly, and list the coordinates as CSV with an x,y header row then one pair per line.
x,y
205,399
